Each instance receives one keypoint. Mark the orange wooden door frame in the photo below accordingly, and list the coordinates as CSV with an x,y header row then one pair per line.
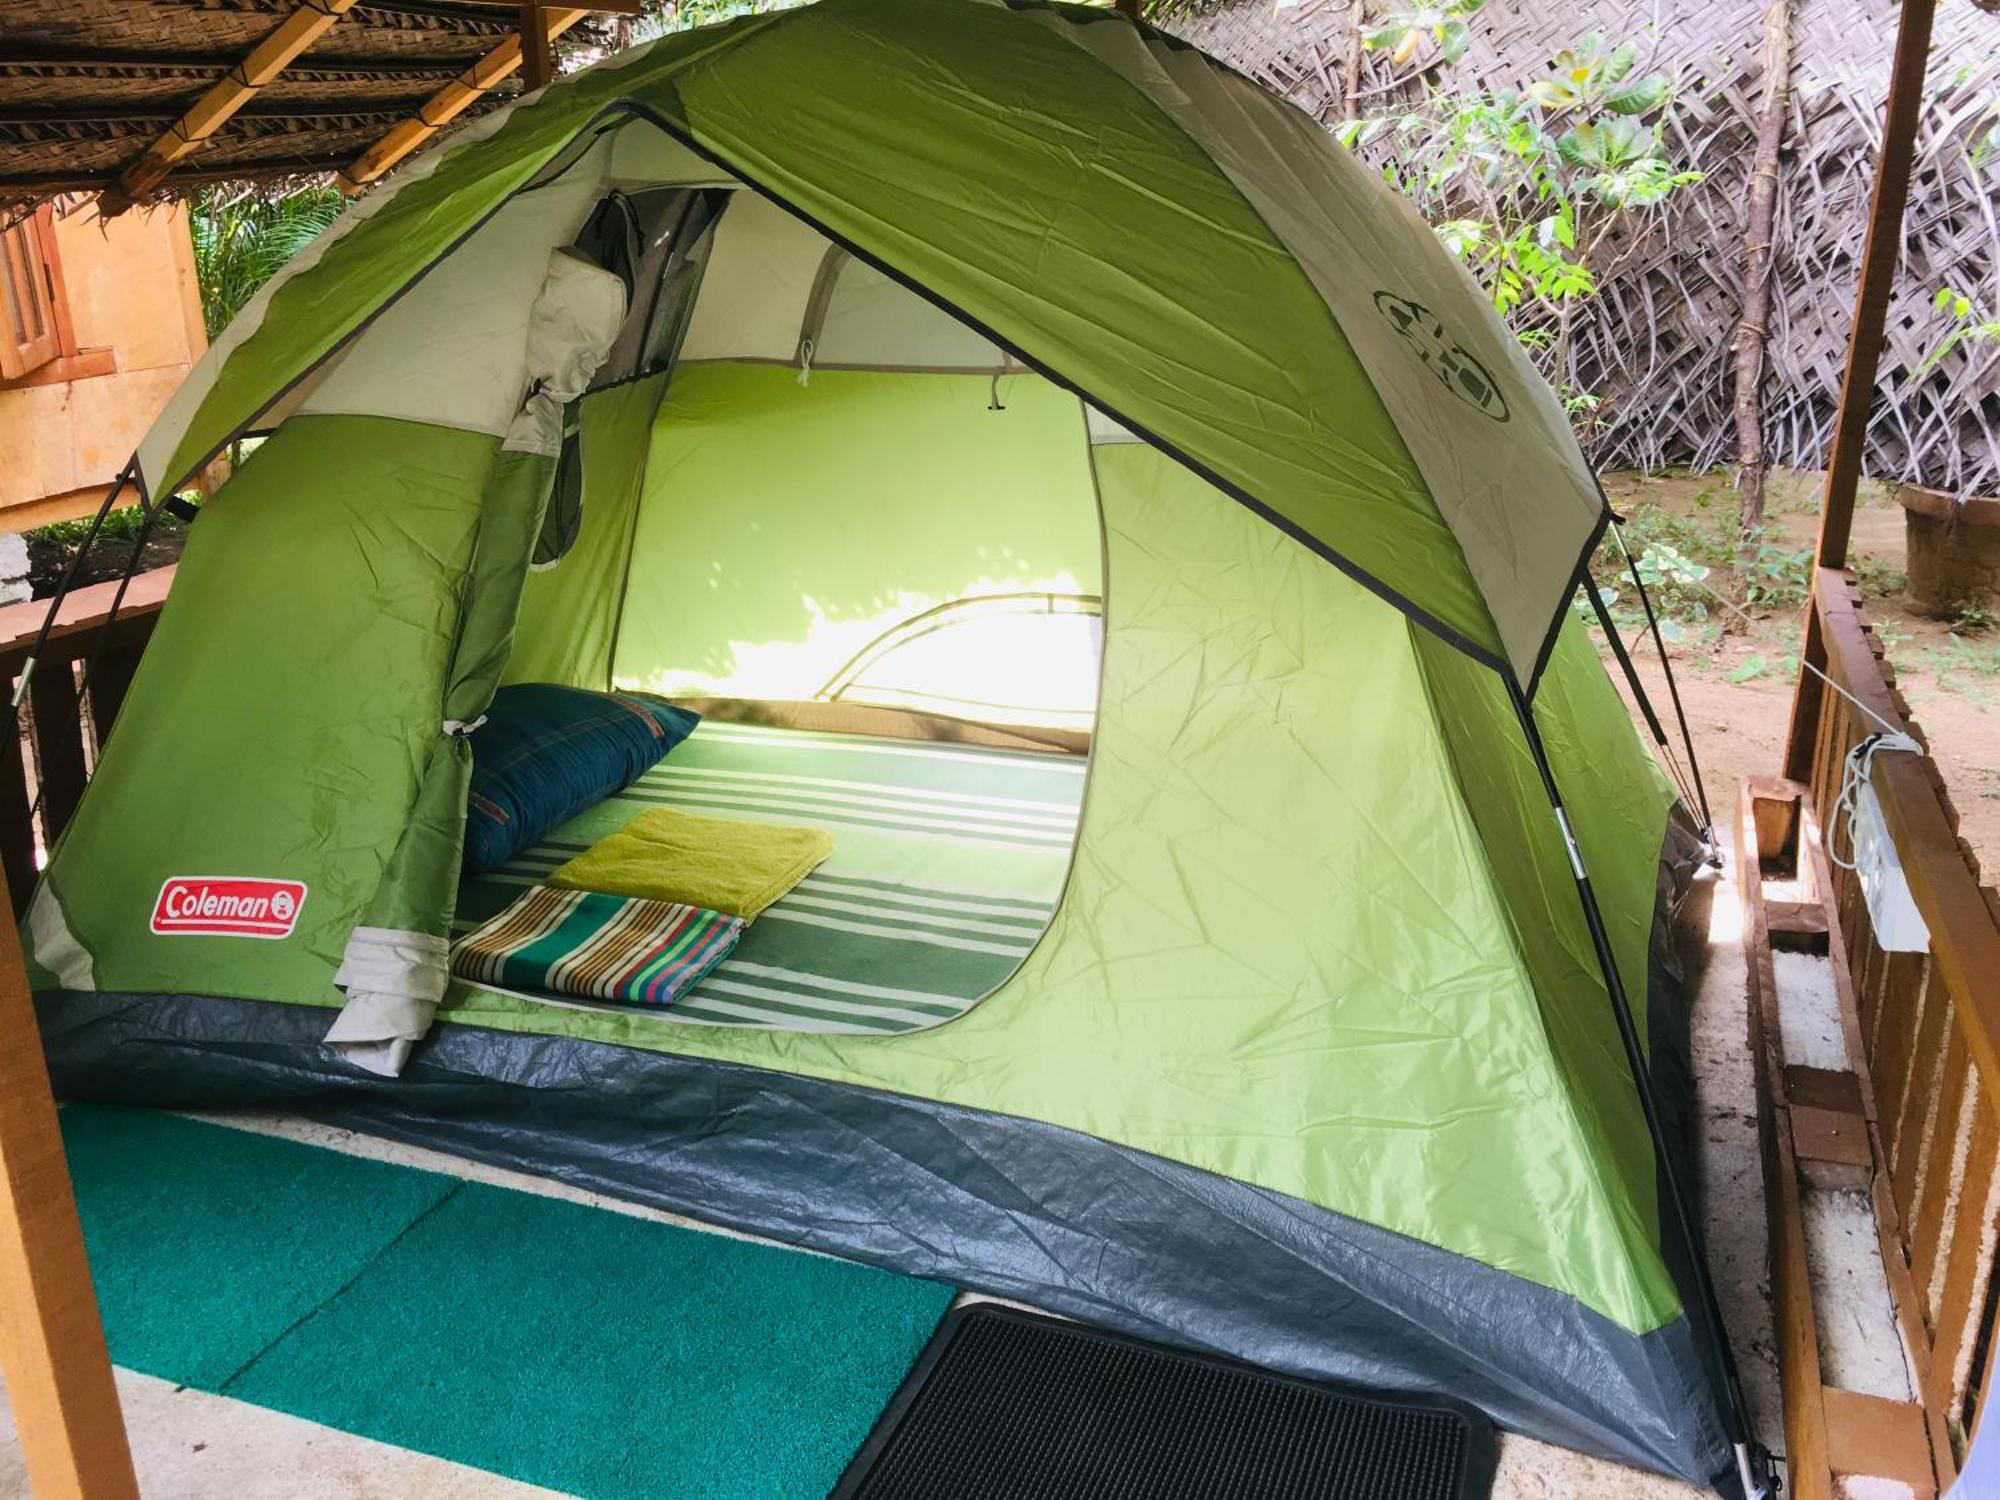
x,y
52,1350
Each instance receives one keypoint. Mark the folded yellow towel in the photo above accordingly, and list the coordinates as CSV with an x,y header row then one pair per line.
x,y
717,863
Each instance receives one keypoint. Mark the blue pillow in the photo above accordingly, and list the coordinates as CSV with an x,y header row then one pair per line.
x,y
547,753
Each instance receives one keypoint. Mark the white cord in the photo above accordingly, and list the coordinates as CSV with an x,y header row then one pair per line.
x,y
1853,776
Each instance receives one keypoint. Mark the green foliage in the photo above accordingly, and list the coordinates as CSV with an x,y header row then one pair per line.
x,y
1404,34
1968,325
1877,579
1526,185
241,238
1771,576
120,525
1668,552
1964,667
1685,561
1974,620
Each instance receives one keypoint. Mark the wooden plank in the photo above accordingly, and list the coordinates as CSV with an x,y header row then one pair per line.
x,y
1830,1135
208,114
1879,255
111,673
1891,1236
1808,1470
1961,1296
60,769
1777,821
1822,1088
1893,1059
1916,1114
52,1350
1965,939
447,104
1927,1227
17,829
1795,918
42,227
537,61
1965,935
80,622
1881,1439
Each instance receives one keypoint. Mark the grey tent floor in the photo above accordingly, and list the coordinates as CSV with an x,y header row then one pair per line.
x,y
190,1445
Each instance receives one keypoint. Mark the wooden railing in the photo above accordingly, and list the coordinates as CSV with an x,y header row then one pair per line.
x,y
45,765
1929,1026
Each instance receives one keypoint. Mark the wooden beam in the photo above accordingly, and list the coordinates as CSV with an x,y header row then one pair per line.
x,y
1879,255
448,103
52,1349
212,110
537,61
68,60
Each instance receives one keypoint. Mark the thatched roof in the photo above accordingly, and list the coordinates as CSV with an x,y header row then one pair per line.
x,y
88,86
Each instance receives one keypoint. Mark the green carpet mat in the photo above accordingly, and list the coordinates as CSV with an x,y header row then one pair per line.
x,y
571,1347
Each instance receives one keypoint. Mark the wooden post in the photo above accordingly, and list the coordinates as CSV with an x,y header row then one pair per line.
x,y
52,1351
1864,352
537,61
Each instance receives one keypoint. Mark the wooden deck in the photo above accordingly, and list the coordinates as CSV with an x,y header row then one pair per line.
x,y
1913,1120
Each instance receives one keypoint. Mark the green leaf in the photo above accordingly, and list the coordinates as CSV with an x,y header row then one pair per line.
x,y
1749,667
1640,96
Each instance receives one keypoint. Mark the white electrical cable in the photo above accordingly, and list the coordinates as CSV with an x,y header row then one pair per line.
x,y
1854,776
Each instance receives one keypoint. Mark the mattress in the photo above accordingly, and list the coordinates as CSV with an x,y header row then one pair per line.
x,y
948,863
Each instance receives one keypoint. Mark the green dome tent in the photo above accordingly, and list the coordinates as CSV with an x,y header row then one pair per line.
x,y
851,360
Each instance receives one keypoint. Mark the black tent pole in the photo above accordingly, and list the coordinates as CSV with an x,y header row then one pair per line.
x,y
1749,1459
127,475
1667,669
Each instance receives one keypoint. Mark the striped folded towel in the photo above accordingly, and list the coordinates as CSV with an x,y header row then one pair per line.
x,y
594,946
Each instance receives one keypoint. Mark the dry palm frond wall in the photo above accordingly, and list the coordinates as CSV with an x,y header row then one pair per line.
x,y
1656,343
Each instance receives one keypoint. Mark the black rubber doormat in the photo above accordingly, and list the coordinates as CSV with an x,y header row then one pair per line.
x,y
1009,1405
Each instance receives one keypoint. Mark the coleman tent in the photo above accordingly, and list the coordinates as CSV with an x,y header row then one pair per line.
x,y
932,391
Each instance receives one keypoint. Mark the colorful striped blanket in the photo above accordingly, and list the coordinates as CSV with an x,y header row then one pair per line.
x,y
948,862
590,946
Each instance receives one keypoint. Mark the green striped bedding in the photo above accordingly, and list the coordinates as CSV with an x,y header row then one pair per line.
x,y
948,862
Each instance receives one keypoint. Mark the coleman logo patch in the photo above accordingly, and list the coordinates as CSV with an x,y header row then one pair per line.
x,y
1455,368
228,906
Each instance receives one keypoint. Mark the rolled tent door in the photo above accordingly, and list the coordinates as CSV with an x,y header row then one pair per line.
x,y
396,965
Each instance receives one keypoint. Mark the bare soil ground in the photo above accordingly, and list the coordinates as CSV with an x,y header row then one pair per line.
x,y
1737,683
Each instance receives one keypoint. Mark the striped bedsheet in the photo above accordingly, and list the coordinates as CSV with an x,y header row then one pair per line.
x,y
948,862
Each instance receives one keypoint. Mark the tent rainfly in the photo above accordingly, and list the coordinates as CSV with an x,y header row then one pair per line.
x,y
875,345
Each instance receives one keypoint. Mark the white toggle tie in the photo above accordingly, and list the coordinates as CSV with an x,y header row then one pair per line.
x,y
458,728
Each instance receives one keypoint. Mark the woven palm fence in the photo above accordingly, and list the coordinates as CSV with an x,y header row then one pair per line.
x,y
1655,345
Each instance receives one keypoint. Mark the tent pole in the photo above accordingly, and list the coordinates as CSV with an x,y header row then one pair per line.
x,y
1696,794
1709,1305
127,475
52,1349
1667,671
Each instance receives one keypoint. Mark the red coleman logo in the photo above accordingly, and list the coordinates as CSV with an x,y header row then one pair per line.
x,y
228,906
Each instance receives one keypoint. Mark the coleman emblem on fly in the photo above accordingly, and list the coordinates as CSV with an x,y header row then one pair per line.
x,y
228,906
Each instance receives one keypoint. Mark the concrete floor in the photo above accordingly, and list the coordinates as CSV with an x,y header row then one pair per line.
x,y
189,1445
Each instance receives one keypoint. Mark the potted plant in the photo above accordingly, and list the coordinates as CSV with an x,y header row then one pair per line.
x,y
1952,541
